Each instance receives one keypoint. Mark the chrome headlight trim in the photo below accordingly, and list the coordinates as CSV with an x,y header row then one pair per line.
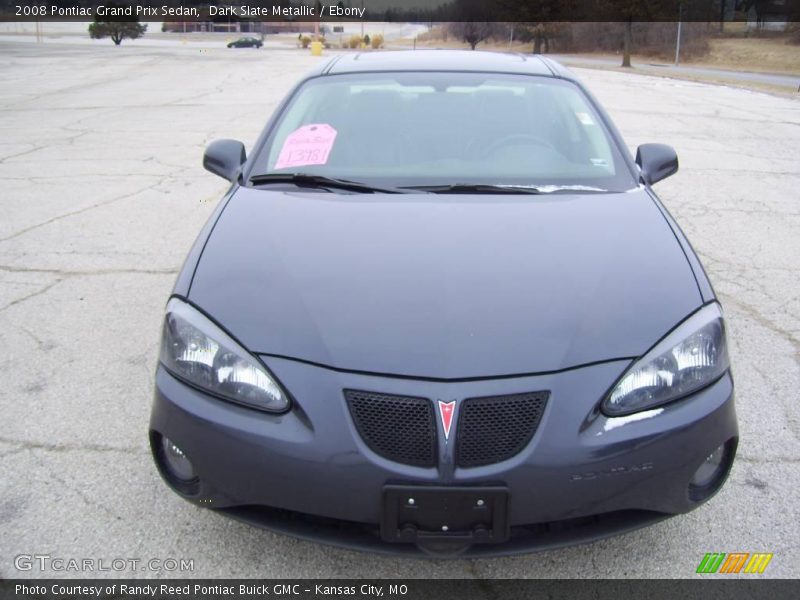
x,y
199,352
689,358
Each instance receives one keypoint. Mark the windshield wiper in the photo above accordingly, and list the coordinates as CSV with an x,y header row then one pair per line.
x,y
320,181
485,188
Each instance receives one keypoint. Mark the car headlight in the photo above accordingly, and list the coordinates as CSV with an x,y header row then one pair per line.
x,y
691,357
196,350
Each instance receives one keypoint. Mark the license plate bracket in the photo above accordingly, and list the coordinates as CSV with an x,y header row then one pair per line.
x,y
476,514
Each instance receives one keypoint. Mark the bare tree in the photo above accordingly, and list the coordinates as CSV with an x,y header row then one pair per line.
x,y
539,17
627,37
476,21
471,32
630,11
541,34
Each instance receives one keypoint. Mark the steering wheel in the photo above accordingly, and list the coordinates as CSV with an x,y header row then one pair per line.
x,y
517,139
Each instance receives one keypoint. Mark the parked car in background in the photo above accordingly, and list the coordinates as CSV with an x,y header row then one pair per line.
x,y
246,42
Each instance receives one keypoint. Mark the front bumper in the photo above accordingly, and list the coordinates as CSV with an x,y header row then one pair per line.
x,y
308,473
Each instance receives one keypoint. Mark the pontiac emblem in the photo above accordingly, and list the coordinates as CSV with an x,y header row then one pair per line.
x,y
446,412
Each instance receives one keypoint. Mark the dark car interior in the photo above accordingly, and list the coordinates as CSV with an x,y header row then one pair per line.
x,y
530,130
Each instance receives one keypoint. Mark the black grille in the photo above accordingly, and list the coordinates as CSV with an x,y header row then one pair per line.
x,y
496,428
400,428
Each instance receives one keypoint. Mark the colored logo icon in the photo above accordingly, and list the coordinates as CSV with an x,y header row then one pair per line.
x,y
734,562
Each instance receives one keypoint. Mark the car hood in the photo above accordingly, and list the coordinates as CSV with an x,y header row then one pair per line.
x,y
444,286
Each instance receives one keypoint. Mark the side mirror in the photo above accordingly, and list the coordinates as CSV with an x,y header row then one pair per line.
x,y
224,158
657,161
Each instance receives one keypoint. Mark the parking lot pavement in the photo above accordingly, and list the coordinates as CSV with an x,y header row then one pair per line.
x,y
103,193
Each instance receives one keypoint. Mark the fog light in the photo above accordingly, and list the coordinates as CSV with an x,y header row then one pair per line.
x,y
174,466
175,460
712,472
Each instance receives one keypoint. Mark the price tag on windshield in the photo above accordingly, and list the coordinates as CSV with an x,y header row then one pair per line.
x,y
309,145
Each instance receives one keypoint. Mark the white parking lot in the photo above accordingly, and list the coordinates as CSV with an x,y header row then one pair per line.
x,y
103,194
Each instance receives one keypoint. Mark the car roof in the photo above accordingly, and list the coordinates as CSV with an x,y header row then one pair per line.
x,y
443,60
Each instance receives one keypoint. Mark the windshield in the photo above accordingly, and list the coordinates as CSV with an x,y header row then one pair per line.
x,y
443,129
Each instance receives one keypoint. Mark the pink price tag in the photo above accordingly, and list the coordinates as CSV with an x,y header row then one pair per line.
x,y
309,145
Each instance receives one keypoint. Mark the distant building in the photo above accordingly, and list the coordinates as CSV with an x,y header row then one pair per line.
x,y
234,24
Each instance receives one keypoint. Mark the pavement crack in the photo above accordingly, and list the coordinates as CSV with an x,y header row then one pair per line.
x,y
23,153
79,211
70,485
39,292
22,445
794,426
40,344
69,273
787,336
778,460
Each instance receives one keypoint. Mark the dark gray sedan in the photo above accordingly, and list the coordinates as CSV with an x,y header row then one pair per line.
x,y
246,42
441,309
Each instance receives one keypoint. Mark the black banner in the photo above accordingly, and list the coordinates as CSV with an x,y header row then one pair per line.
x,y
751,587
775,12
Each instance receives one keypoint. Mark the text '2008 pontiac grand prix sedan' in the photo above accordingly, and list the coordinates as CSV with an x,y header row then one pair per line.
x,y
440,309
